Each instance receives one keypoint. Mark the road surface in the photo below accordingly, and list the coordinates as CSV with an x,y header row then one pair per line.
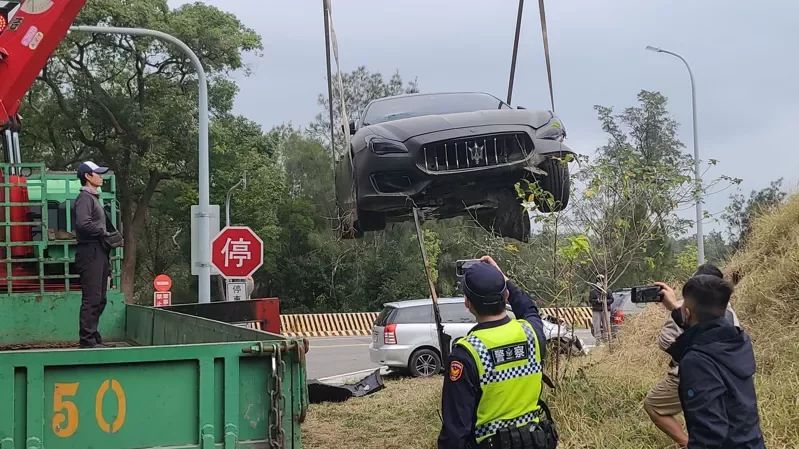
x,y
333,356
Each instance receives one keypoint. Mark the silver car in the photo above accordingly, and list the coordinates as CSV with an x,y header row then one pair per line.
x,y
404,334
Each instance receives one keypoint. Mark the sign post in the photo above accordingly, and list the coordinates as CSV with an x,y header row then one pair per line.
x,y
162,297
237,252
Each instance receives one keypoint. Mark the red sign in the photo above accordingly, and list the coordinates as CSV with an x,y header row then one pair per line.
x,y
162,283
237,252
162,299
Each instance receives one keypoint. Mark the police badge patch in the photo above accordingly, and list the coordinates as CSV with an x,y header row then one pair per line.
x,y
508,354
455,370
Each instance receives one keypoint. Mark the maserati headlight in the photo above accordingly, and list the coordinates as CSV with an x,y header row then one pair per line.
x,y
379,145
554,130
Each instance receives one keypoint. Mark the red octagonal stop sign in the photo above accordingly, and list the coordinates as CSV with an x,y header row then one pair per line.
x,y
237,252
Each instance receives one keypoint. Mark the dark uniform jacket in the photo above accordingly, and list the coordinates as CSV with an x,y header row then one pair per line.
x,y
717,390
595,300
89,218
460,397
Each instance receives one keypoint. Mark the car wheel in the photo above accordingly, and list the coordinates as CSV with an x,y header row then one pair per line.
x,y
424,363
510,219
369,221
557,183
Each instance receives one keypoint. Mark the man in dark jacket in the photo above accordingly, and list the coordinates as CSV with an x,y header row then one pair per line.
x,y
662,403
717,390
91,259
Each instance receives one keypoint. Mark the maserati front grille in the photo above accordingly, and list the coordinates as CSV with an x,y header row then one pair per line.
x,y
474,152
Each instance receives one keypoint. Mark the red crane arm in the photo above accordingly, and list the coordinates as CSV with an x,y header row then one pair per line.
x,y
32,32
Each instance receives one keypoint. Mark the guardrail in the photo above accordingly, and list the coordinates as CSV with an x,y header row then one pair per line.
x,y
360,323
577,317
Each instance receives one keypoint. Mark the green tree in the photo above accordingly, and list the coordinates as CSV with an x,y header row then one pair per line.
x,y
240,146
360,87
130,102
686,262
717,251
741,213
633,189
306,165
625,213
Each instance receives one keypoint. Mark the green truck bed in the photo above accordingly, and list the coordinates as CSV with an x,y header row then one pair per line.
x,y
178,381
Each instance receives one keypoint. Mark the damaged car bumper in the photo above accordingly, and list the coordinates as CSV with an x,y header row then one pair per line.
x,y
435,169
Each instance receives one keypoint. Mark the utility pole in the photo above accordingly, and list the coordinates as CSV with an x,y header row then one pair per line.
x,y
700,237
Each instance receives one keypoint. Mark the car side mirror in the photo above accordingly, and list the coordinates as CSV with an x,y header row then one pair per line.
x,y
352,128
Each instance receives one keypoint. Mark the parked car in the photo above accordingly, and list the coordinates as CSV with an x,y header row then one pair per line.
x,y
404,335
621,308
450,154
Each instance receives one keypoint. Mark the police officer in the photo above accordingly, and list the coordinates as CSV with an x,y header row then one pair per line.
x,y
92,257
493,378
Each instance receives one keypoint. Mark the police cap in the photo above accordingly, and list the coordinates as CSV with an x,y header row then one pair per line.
x,y
484,284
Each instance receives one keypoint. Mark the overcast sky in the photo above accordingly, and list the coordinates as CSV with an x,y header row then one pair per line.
x,y
743,54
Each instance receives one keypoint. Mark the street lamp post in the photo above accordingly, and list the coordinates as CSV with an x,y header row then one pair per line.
x,y
700,238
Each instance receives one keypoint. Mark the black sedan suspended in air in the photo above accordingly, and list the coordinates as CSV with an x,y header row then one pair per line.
x,y
450,154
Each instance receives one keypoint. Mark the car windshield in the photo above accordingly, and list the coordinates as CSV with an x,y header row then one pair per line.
x,y
396,108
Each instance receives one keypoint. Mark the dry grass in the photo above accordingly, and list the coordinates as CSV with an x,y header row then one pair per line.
x,y
767,298
403,416
598,404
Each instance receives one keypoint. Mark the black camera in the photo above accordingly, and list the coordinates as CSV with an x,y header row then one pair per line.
x,y
646,293
460,269
462,265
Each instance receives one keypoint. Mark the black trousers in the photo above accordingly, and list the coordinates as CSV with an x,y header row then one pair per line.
x,y
94,267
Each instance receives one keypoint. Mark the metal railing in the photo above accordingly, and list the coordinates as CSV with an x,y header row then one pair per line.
x,y
37,242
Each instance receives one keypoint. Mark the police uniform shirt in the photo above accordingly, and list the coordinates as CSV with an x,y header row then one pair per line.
x,y
461,392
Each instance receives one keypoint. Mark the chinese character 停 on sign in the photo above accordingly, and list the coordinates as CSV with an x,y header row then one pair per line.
x,y
238,250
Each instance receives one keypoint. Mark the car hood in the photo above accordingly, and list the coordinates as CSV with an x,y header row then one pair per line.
x,y
407,128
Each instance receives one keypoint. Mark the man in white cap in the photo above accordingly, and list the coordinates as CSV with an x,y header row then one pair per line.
x,y
92,257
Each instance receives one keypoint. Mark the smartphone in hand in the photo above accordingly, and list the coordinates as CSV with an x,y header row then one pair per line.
x,y
645,294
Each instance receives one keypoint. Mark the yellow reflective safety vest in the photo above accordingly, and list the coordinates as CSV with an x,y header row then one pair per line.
x,y
508,361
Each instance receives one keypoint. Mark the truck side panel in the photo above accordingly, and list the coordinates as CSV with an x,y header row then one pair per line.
x,y
31,319
213,390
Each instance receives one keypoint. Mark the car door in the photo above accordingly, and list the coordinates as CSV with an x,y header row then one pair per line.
x,y
413,326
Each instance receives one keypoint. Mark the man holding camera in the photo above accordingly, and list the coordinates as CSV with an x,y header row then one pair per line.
x,y
717,364
662,403
494,376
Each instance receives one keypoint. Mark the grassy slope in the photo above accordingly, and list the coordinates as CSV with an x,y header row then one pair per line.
x,y
598,404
